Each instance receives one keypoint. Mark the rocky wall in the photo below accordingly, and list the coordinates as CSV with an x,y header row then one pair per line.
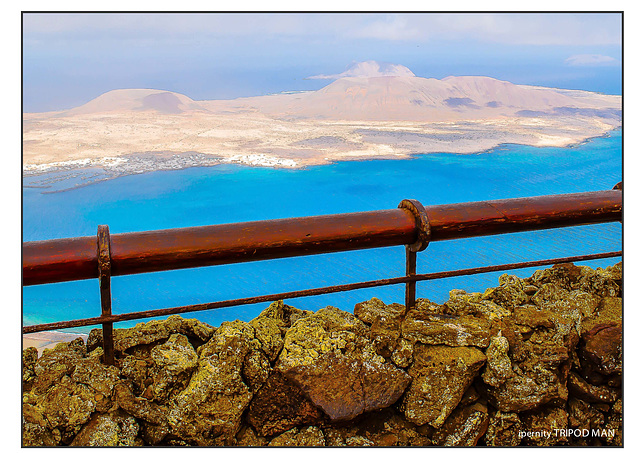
x,y
535,361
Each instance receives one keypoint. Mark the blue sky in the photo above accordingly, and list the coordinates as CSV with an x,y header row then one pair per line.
x,y
69,59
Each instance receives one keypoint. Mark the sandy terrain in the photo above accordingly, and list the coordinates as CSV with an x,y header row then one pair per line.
x,y
48,340
352,118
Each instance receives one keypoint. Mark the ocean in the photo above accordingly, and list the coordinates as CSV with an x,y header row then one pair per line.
x,y
232,193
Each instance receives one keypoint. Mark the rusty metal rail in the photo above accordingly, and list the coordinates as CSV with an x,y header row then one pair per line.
x,y
411,224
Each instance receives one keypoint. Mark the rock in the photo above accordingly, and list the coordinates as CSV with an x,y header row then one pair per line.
x,y
148,333
279,406
247,437
609,311
509,295
498,368
464,427
546,426
383,428
583,416
603,283
36,435
503,430
612,432
385,321
269,329
402,355
310,436
209,410
441,375
137,371
532,316
472,304
602,348
565,275
328,357
142,409
55,363
527,390
101,378
173,363
29,358
108,430
591,393
469,397
440,329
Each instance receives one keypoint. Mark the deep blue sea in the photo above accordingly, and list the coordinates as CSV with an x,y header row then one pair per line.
x,y
230,193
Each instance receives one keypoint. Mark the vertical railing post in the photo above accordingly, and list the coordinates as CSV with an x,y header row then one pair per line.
x,y
410,287
104,277
424,236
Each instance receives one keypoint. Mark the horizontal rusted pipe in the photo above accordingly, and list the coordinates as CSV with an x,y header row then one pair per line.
x,y
131,253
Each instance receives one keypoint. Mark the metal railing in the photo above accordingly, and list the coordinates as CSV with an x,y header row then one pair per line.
x,y
411,225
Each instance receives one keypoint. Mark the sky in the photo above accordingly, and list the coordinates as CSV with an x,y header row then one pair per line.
x,y
69,59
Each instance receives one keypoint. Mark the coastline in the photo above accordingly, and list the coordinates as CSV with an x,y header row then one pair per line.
x,y
48,340
111,167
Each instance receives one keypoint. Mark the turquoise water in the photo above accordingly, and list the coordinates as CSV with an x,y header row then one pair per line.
x,y
230,193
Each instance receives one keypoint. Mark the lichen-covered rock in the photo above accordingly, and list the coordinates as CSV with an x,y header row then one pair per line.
x,y
148,333
328,356
509,294
150,415
609,311
402,355
310,436
547,426
450,330
108,430
441,375
551,344
209,410
55,363
474,304
279,406
504,430
527,389
29,358
498,368
601,282
464,427
269,327
173,363
385,323
247,437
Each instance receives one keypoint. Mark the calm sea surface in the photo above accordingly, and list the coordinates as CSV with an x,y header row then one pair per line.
x,y
230,193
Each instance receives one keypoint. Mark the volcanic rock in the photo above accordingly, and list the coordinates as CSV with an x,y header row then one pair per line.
x,y
441,375
328,356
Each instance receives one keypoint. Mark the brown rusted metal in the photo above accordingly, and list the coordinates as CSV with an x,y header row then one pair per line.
x,y
424,236
104,279
312,292
422,224
75,259
618,186
410,286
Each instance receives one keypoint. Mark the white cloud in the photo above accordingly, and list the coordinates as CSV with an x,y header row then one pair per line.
x,y
591,60
512,28
370,69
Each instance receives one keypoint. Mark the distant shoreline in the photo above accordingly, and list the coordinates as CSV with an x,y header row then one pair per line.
x,y
148,162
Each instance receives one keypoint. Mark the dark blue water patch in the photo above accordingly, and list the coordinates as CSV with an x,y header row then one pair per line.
x,y
230,193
